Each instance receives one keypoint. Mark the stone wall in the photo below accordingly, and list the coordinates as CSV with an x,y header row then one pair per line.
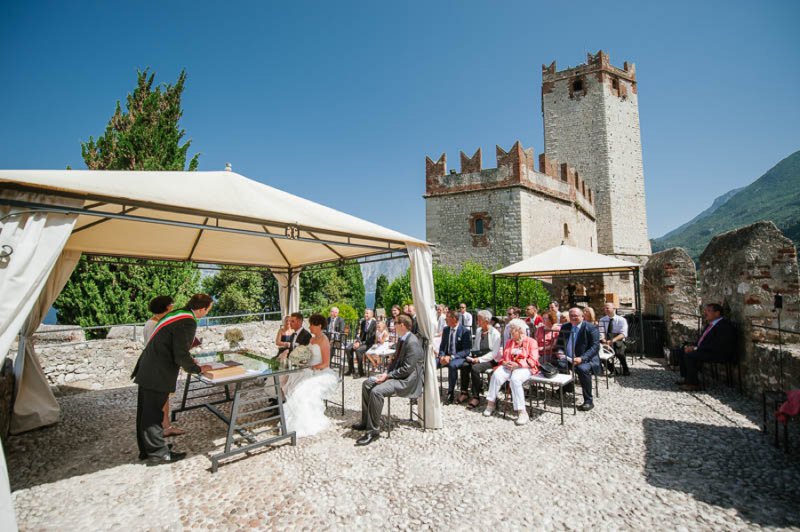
x,y
670,289
97,364
742,270
591,120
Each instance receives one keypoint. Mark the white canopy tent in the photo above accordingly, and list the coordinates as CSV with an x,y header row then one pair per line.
x,y
48,218
564,261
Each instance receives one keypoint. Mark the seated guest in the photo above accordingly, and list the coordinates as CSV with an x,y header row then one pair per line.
x,y
547,334
613,331
403,379
390,321
554,307
563,318
532,318
464,317
284,337
381,337
520,360
301,336
589,316
513,314
365,339
414,325
441,319
485,354
581,349
717,343
335,323
453,350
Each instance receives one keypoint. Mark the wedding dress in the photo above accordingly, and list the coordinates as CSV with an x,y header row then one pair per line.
x,y
306,392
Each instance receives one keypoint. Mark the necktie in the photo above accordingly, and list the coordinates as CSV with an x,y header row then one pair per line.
x,y
571,343
452,342
610,328
708,329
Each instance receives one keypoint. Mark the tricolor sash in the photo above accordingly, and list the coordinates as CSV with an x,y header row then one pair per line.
x,y
172,317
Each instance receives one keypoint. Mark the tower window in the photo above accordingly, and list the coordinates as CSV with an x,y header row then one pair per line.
x,y
566,230
479,226
615,84
577,86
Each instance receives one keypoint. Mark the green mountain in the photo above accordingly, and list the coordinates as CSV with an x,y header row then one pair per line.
x,y
774,196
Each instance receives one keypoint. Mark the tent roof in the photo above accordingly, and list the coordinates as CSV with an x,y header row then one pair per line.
x,y
216,217
563,260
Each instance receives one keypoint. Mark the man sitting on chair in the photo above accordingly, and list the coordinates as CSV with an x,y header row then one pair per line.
x,y
614,330
581,343
716,344
335,323
365,340
453,351
403,379
486,354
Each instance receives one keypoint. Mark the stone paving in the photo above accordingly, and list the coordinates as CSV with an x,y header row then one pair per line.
x,y
647,456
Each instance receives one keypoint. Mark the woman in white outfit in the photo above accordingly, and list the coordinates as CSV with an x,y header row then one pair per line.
x,y
307,389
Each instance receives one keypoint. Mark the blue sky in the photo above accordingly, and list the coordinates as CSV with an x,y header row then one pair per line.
x,y
340,102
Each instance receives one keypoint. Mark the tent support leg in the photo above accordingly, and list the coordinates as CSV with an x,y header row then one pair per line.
x,y
516,288
638,294
494,295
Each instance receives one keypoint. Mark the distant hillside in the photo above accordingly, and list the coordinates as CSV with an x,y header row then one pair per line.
x,y
774,196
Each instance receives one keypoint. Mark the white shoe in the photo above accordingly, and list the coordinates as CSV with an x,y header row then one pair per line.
x,y
489,411
523,418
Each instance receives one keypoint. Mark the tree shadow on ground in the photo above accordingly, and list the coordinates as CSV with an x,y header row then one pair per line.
x,y
727,467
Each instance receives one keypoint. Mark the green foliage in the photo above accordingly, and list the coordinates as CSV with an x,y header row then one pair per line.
x,y
235,291
774,196
346,312
146,136
318,287
108,294
381,284
471,285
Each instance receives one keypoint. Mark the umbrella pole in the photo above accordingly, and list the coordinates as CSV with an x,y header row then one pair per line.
x,y
638,294
494,295
516,283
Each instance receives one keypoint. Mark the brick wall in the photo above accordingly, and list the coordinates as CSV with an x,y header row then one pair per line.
x,y
670,289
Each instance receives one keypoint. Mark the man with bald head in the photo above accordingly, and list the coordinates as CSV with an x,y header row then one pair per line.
x,y
579,343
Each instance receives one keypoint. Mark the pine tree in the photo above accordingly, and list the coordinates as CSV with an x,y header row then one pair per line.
x,y
380,288
145,136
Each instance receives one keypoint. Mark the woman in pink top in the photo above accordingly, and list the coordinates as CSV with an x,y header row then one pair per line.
x,y
546,336
520,361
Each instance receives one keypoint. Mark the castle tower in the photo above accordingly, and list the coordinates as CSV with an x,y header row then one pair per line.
x,y
591,119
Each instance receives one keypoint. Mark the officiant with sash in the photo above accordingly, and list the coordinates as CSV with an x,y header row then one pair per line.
x,y
613,331
156,373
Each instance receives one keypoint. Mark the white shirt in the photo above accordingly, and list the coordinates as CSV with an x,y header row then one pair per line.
x,y
619,325
465,319
495,353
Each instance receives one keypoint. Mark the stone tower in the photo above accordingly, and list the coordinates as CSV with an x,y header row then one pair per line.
x,y
591,119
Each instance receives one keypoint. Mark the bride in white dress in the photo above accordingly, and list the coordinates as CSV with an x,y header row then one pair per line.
x,y
307,389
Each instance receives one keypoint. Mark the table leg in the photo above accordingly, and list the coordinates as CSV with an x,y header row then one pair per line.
x,y
561,400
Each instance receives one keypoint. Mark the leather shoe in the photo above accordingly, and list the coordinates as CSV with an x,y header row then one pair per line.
x,y
368,438
358,426
348,373
450,398
585,407
170,458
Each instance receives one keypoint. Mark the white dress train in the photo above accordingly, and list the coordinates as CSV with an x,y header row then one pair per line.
x,y
306,392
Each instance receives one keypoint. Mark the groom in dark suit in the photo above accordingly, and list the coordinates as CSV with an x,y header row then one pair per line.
x,y
301,335
403,379
580,342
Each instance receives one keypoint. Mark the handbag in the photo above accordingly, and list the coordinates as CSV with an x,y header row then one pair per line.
x,y
548,370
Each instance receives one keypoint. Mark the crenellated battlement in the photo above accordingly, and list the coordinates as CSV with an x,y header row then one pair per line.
x,y
515,167
619,81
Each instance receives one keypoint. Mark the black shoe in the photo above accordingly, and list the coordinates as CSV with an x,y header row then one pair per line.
x,y
450,398
142,456
358,426
368,438
170,458
585,407
348,372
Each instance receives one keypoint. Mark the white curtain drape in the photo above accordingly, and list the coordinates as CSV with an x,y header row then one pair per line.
x,y
287,288
35,406
425,304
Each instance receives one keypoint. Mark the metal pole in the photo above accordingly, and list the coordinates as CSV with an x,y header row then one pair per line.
x,y
494,295
289,290
638,293
516,286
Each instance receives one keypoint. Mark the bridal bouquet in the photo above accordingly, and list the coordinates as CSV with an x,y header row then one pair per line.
x,y
300,355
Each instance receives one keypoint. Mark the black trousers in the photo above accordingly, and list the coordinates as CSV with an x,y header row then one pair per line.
x,y
359,355
472,374
619,352
149,432
692,363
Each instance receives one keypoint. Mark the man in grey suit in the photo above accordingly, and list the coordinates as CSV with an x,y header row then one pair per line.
x,y
335,323
403,379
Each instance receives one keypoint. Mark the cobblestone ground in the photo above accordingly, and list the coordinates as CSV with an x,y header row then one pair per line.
x,y
647,456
